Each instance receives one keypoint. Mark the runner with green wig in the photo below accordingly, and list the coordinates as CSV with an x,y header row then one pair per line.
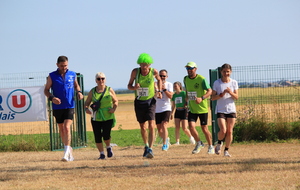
x,y
145,58
142,82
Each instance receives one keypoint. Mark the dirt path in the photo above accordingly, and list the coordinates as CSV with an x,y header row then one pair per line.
x,y
255,166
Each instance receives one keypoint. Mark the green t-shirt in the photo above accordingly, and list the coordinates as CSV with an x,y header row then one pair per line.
x,y
146,90
196,87
179,99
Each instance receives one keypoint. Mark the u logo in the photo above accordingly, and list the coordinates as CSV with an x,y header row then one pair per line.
x,y
19,101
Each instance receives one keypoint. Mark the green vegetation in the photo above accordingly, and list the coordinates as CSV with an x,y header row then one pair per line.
x,y
123,138
133,137
250,130
259,130
34,142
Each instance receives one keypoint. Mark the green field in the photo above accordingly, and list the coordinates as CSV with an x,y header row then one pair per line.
x,y
123,138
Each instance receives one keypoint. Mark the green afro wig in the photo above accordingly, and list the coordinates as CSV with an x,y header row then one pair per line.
x,y
145,58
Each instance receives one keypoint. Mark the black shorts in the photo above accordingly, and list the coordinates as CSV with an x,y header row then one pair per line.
x,y
163,116
225,115
180,114
145,110
194,117
62,114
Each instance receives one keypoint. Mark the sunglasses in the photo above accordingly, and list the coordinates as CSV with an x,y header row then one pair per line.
x,y
162,75
98,79
190,68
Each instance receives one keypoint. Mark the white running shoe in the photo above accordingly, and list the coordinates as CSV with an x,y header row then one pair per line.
x,y
197,148
192,140
71,158
218,148
66,157
211,149
177,143
226,153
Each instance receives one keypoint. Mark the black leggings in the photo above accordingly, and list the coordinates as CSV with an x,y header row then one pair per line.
x,y
102,129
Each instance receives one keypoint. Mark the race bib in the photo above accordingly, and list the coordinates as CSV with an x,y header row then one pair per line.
x,y
142,92
178,100
192,95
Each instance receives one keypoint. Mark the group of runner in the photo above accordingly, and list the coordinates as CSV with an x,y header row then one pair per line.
x,y
156,102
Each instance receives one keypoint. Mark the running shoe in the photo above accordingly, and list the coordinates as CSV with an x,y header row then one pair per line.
x,y
226,153
109,152
197,148
218,148
202,144
145,151
211,149
192,140
165,147
66,156
71,158
101,157
150,153
177,143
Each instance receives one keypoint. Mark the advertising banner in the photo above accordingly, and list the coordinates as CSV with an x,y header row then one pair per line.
x,y
22,104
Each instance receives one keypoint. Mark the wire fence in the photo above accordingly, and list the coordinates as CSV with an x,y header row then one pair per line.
x,y
269,91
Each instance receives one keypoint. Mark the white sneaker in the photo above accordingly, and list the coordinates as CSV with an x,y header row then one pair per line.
x,y
192,140
218,148
66,157
177,143
226,153
71,158
211,149
197,148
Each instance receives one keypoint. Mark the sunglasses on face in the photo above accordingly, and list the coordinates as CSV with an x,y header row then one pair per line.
x,y
98,79
162,76
190,68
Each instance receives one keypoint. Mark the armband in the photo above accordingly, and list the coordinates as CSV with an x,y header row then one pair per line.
x,y
203,98
79,91
221,95
164,90
50,97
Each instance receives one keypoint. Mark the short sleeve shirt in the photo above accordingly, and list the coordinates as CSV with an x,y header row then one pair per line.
x,y
226,103
196,87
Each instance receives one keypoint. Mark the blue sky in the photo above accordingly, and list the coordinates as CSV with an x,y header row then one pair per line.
x,y
108,36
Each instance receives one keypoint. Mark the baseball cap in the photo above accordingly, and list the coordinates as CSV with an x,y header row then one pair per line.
x,y
191,64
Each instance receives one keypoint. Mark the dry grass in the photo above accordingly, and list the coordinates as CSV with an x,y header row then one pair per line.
x,y
254,166
282,91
